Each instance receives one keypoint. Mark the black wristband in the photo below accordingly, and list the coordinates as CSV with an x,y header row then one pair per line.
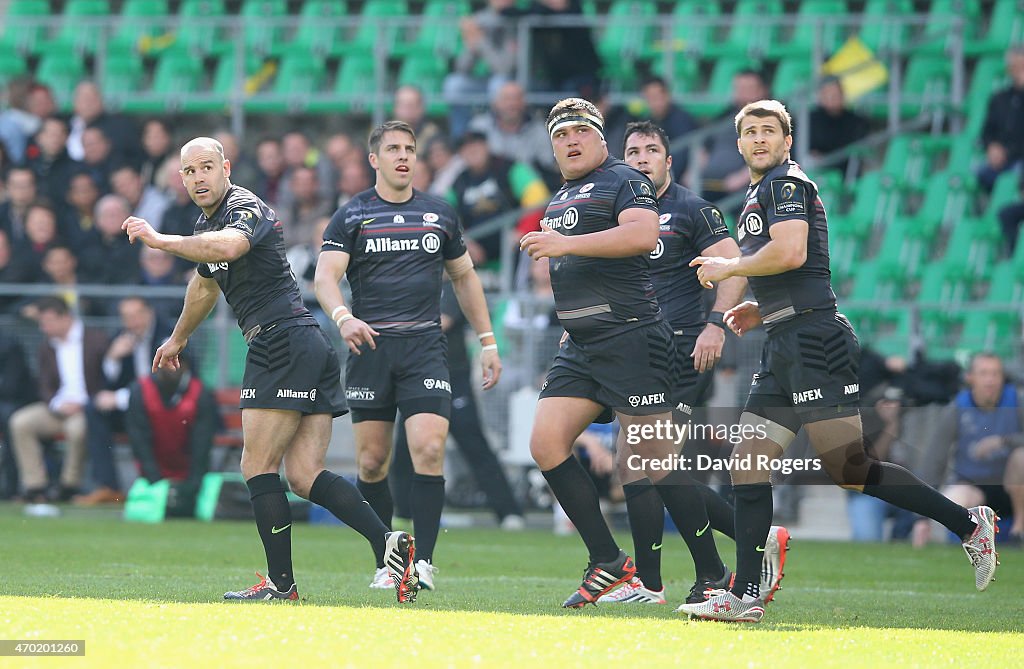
x,y
717,318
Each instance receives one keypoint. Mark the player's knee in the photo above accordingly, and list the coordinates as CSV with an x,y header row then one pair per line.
x,y
300,482
1015,463
428,456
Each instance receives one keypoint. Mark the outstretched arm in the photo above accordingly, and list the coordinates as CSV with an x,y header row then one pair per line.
x,y
213,247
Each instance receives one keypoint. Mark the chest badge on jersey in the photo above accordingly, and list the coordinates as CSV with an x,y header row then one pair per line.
x,y
398,219
430,217
664,218
586,188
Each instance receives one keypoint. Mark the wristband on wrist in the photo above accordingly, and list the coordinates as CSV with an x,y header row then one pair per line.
x,y
489,347
334,314
342,319
482,335
717,318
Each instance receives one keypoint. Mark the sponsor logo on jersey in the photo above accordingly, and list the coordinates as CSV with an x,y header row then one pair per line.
x,y
214,266
568,220
368,221
586,188
355,393
642,192
248,393
664,218
331,242
753,223
807,396
565,195
658,251
646,400
437,384
290,394
398,219
851,389
713,217
788,198
685,408
389,245
242,219
430,217
431,242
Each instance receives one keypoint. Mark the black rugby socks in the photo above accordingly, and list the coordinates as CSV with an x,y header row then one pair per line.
x,y
754,508
343,499
576,493
896,485
274,522
646,514
427,498
378,496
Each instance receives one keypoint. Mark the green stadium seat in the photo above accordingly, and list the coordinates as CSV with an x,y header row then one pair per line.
x,y
938,34
748,33
195,32
219,96
24,29
685,74
945,201
316,31
122,74
12,65
830,189
794,75
1005,27
1005,191
871,288
902,253
910,160
971,249
627,38
177,75
141,20
428,75
875,202
719,91
813,25
691,38
438,35
355,84
998,327
940,300
844,256
375,31
75,30
300,74
988,77
263,36
926,85
61,68
878,32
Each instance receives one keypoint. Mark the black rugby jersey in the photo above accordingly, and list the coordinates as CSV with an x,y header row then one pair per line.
x,y
689,224
596,298
398,251
786,193
259,287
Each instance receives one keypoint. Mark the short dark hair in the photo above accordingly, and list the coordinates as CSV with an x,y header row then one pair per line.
x,y
654,80
765,109
55,304
978,355
388,126
647,129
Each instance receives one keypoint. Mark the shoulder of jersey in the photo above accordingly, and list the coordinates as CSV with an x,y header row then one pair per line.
x,y
624,170
241,197
788,170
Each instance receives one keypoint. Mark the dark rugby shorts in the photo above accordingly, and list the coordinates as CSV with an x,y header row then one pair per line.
x,y
406,373
808,371
689,387
295,368
628,372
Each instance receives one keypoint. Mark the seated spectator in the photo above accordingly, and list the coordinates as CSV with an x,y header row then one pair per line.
x,y
89,111
21,193
354,179
41,233
17,389
445,165
17,123
616,118
106,254
148,202
490,186
60,268
669,116
339,150
1010,218
1003,131
270,183
833,126
723,171
487,61
14,268
983,459
243,170
79,216
129,357
302,259
70,374
157,146
171,421
159,269
97,158
298,152
307,207
512,133
50,162
410,108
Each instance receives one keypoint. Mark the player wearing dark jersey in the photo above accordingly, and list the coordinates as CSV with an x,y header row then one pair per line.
x,y
394,243
291,387
689,226
808,372
598,232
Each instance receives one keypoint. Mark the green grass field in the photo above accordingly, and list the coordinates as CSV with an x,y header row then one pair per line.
x,y
144,595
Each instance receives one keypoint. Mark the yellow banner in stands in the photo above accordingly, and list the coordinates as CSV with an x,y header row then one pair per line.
x,y
858,70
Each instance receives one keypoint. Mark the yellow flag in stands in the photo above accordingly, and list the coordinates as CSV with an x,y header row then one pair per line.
x,y
857,68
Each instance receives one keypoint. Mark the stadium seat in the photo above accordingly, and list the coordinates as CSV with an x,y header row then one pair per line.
x,y
684,75
262,34
902,253
627,38
988,77
61,69
998,327
316,31
177,75
21,32
225,78
870,288
195,32
300,74
971,249
944,202
844,254
878,32
1005,27
375,31
76,31
941,297
141,20
794,75
718,96
354,85
875,202
12,65
926,85
438,35
749,34
121,75
690,38
427,74
813,25
937,39
910,160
